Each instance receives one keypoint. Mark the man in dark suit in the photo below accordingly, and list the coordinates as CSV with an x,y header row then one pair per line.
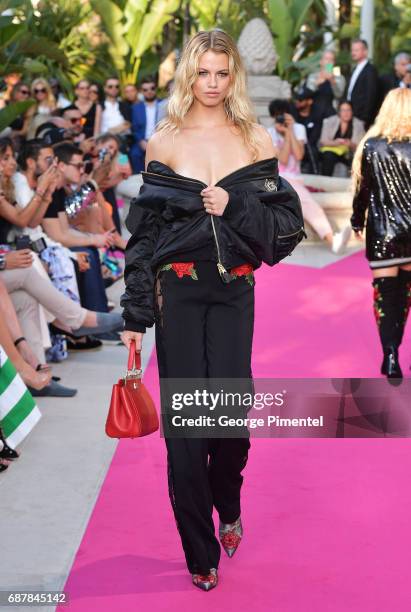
x,y
362,89
144,117
394,78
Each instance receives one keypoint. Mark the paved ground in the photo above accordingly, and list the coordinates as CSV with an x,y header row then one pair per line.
x,y
47,496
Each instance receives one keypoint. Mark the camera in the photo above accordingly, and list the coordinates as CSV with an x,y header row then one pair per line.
x,y
102,154
24,242
280,119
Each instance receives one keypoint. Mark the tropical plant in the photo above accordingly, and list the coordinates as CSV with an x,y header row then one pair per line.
x,y
224,14
298,27
10,112
132,27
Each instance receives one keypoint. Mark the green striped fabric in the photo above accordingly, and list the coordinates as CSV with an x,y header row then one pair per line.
x,y
18,410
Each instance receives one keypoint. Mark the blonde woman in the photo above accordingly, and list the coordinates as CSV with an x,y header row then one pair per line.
x,y
208,214
382,179
44,107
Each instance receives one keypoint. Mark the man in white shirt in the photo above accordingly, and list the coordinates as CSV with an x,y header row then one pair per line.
x,y
362,89
115,116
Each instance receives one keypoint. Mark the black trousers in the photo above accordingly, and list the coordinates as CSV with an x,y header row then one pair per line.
x,y
329,161
204,329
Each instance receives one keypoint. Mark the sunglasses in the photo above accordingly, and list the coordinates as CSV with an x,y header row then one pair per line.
x,y
42,90
25,92
83,87
75,120
113,86
152,88
79,165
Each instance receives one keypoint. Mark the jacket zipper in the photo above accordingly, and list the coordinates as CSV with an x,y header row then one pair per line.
x,y
226,277
293,234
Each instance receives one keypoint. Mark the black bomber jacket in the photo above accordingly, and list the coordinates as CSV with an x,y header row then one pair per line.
x,y
262,222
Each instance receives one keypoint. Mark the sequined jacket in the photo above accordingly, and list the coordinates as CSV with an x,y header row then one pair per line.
x,y
261,222
385,191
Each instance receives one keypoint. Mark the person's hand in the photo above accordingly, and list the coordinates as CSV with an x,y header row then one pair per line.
x,y
215,200
289,120
88,145
48,177
103,240
128,336
83,262
18,259
359,234
102,171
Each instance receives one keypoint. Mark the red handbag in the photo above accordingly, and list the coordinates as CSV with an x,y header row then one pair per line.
x,y
132,412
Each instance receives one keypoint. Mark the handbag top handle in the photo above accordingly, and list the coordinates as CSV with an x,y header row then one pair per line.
x,y
134,361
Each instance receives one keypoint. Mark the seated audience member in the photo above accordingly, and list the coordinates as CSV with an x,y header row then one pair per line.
x,y
288,139
29,288
327,86
340,136
56,224
96,93
35,374
60,98
116,116
44,107
19,127
305,112
34,160
121,170
90,110
33,212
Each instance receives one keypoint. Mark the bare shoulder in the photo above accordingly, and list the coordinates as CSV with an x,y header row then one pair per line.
x,y
265,144
159,147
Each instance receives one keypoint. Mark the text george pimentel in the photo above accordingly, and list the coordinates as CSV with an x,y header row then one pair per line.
x,y
226,421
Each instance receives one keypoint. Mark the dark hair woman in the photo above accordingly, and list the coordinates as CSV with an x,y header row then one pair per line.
x,y
208,214
382,176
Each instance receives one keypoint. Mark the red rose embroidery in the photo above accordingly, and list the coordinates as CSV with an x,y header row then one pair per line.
x,y
183,268
242,270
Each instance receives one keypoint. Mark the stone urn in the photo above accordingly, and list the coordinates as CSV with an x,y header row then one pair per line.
x,y
257,50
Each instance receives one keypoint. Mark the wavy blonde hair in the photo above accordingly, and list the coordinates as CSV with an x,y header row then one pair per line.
x,y
393,122
50,100
237,104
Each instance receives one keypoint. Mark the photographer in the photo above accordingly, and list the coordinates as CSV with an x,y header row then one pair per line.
x,y
289,138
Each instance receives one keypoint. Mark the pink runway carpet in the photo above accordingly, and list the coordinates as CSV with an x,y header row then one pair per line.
x,y
326,520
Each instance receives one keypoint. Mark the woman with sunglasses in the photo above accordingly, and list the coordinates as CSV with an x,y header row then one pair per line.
x,y
90,110
19,93
43,109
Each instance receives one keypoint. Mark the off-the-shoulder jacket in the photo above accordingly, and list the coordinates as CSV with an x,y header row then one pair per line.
x,y
262,222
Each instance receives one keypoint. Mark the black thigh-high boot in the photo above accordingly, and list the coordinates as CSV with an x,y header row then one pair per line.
x,y
386,311
404,300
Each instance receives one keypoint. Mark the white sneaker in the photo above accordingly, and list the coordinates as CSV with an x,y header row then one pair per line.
x,y
340,240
